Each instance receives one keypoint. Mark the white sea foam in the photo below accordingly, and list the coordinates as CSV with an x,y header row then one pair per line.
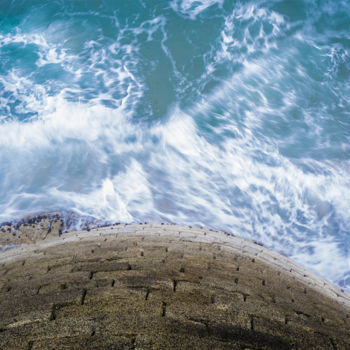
x,y
49,51
192,8
249,29
24,38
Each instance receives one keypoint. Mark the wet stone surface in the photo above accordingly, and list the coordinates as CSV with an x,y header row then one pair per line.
x,y
160,287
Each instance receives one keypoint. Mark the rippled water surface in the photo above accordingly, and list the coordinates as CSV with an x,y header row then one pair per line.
x,y
229,114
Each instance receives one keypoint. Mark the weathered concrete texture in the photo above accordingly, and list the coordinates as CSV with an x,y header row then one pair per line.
x,y
162,287
30,229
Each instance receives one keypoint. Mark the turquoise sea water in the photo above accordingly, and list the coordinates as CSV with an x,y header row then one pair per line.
x,y
233,115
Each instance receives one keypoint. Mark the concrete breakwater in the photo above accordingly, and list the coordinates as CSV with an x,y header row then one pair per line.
x,y
154,286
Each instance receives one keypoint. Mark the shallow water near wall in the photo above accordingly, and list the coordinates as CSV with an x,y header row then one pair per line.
x,y
230,115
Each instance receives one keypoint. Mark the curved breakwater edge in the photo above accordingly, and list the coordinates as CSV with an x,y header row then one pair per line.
x,y
160,286
31,228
